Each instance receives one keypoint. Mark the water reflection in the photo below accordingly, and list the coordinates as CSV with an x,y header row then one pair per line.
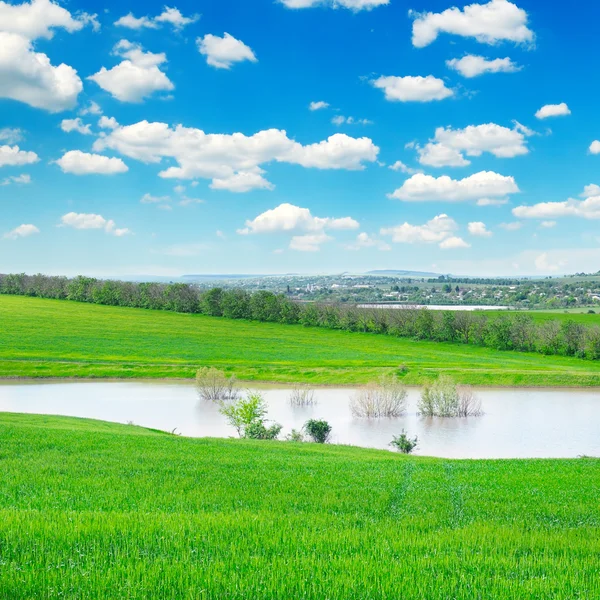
x,y
517,422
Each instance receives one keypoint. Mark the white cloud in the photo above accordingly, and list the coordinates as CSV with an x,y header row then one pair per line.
x,y
223,52
492,201
515,226
38,19
498,20
586,209
222,156
341,120
288,218
172,16
107,122
243,181
448,145
542,263
548,224
92,109
92,221
310,242
13,156
82,163
29,77
150,199
69,125
454,242
472,65
354,5
24,230
400,166
22,179
553,110
136,77
595,147
590,190
412,89
364,240
479,229
435,231
319,105
185,201
485,184
11,135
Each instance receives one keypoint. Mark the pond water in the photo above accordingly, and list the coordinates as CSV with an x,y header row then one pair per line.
x,y
518,423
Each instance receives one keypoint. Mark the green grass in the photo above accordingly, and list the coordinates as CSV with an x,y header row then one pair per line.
x,y
94,511
56,338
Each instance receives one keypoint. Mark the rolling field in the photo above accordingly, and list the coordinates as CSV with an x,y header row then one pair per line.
x,y
55,338
92,510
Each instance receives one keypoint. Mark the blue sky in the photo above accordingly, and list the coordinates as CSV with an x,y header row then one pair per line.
x,y
227,136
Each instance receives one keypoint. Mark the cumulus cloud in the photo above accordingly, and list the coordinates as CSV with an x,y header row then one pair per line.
x,y
82,163
223,52
341,120
435,231
448,147
29,77
310,242
243,181
24,230
595,147
150,199
354,5
492,201
172,16
412,89
496,21
319,105
39,18
220,157
400,166
69,125
590,190
485,184
13,156
105,122
364,240
92,221
22,179
553,110
136,77
542,263
454,242
92,109
290,218
479,229
585,209
472,65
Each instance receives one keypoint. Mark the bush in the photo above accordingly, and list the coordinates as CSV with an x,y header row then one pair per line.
x,y
387,398
318,431
445,399
214,386
403,443
295,436
303,396
247,415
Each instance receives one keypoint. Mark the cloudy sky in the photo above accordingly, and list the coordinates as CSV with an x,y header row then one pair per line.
x,y
274,136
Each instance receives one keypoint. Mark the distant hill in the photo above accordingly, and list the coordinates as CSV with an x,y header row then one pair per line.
x,y
394,273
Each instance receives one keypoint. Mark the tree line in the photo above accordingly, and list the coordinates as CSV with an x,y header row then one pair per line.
x,y
509,331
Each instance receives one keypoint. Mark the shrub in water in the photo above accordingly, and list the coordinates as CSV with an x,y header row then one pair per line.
x,y
295,436
318,431
259,431
303,396
445,399
387,398
247,415
214,386
403,443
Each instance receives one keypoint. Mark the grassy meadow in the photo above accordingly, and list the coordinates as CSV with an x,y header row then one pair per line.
x,y
57,338
92,510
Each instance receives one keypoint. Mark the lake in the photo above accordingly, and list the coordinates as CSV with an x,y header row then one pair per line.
x,y
518,423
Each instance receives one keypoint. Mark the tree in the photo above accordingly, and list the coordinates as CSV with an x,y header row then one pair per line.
x,y
247,416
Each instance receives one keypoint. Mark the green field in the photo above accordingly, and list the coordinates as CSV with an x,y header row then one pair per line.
x,y
98,511
56,338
